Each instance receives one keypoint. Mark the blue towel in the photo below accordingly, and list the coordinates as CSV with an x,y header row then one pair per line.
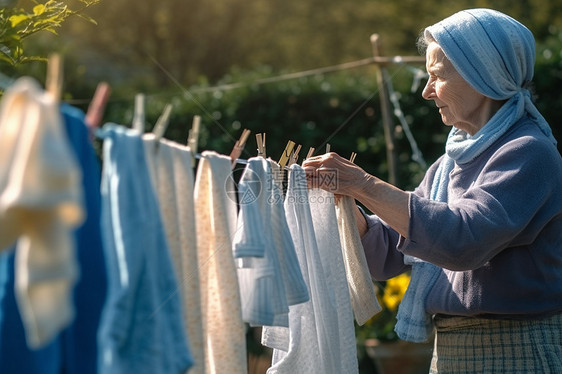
x,y
141,330
495,54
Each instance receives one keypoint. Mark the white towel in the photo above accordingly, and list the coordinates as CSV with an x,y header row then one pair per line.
x,y
321,336
223,328
322,207
40,203
361,287
185,181
171,174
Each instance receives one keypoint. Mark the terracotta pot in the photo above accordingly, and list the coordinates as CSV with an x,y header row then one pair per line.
x,y
400,357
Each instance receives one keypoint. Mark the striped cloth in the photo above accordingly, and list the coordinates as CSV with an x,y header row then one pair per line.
x,y
262,290
477,345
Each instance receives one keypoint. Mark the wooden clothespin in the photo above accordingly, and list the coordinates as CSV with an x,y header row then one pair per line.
x,y
193,137
139,113
54,80
162,122
309,154
286,154
328,147
352,157
294,156
239,146
260,139
97,105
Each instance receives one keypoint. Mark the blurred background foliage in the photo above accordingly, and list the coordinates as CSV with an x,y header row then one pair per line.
x,y
178,50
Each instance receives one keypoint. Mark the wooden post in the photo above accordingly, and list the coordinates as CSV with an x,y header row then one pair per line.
x,y
386,111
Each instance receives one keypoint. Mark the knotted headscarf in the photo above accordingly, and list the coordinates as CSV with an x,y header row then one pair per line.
x,y
495,54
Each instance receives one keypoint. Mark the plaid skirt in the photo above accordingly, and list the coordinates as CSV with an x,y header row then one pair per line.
x,y
474,345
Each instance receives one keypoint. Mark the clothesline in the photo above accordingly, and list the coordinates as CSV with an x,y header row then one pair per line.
x,y
278,78
403,60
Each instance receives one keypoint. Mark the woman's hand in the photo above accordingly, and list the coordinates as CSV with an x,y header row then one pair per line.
x,y
335,174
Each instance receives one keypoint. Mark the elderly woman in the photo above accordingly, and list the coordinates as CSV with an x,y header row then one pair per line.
x,y
482,233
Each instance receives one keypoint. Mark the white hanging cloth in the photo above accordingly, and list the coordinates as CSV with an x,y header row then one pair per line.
x,y
320,337
361,287
40,204
215,211
268,269
171,171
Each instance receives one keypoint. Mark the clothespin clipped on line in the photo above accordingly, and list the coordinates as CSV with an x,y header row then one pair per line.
x,y
260,140
193,137
97,105
309,154
139,113
286,154
294,156
239,146
162,123
328,147
352,157
54,80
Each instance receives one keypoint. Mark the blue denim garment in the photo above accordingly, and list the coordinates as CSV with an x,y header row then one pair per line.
x,y
142,330
74,351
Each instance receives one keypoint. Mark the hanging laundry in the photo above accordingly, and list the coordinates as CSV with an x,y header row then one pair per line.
x,y
142,329
172,176
223,328
327,236
262,290
311,344
74,351
40,203
295,286
361,287
268,272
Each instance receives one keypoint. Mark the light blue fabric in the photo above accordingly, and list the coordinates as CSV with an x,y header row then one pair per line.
x,y
495,54
141,330
3,282
262,291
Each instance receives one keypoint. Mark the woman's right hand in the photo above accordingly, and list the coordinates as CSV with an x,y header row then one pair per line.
x,y
338,175
335,174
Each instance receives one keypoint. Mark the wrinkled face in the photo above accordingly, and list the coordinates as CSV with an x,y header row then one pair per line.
x,y
459,104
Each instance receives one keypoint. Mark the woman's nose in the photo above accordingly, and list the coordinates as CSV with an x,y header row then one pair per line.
x,y
428,91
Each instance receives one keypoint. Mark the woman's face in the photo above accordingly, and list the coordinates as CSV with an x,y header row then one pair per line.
x,y
460,105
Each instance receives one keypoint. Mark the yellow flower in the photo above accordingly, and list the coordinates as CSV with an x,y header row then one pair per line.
x,y
394,290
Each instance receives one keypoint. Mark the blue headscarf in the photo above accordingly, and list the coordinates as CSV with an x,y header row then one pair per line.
x,y
495,54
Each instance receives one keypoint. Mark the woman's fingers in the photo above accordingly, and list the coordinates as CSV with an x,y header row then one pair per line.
x,y
322,177
333,173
